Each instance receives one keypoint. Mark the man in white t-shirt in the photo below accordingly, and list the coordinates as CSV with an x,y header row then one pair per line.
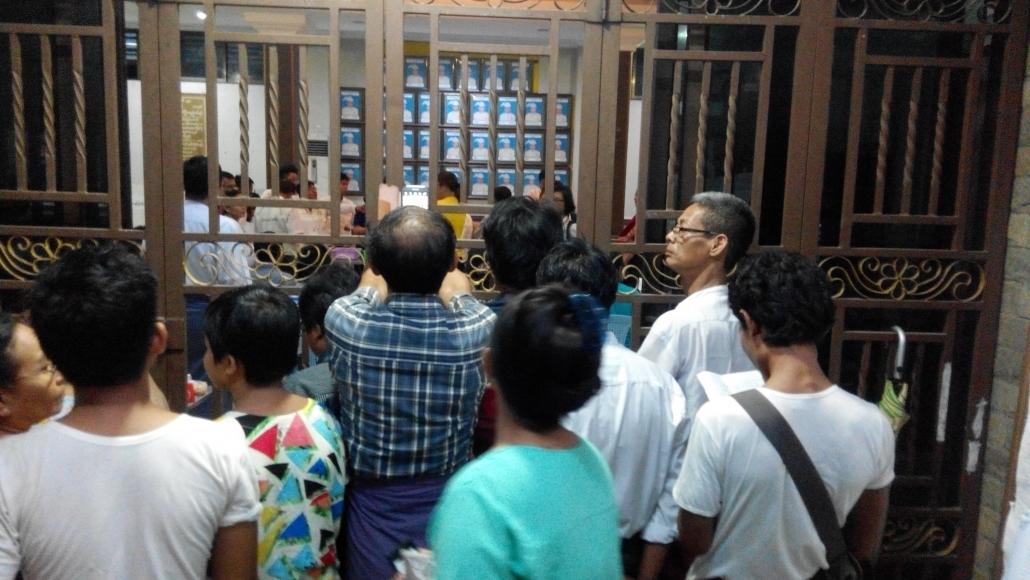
x,y
701,334
119,488
635,421
274,220
742,514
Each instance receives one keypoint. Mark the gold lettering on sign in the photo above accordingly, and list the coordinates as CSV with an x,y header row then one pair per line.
x,y
194,125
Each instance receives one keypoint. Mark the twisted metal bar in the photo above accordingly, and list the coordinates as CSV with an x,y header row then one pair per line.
x,y
885,130
463,137
18,106
492,130
520,127
272,106
79,90
702,128
910,141
49,125
302,111
938,140
675,117
244,121
731,128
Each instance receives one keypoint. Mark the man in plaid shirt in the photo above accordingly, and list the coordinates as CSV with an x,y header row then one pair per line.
x,y
405,351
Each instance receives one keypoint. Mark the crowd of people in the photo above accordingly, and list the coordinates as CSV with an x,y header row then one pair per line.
x,y
515,438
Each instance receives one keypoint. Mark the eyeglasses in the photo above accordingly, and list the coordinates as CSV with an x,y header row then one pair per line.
x,y
48,369
678,229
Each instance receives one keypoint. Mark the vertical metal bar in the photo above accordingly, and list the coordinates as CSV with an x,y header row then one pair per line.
x,y
434,105
885,134
915,390
110,60
675,118
702,129
970,135
595,189
861,384
762,122
18,106
333,152
547,188
211,120
302,112
272,116
79,90
854,138
644,160
375,28
463,140
943,94
605,158
836,343
520,125
49,125
910,141
731,129
244,87
492,130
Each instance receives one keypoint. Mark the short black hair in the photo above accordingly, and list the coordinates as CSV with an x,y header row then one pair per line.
x,y
567,197
287,186
501,193
449,180
728,214
321,290
344,176
786,294
582,267
258,325
287,169
518,233
546,350
194,178
225,174
7,368
412,249
94,312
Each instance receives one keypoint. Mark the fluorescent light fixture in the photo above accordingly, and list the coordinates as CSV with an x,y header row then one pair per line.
x,y
201,15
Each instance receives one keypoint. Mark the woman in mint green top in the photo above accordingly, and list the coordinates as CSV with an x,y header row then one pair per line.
x,y
539,504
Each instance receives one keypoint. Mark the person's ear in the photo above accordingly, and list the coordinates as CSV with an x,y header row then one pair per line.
x,y
750,327
159,342
720,244
454,261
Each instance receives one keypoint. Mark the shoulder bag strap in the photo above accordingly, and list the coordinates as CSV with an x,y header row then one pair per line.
x,y
799,466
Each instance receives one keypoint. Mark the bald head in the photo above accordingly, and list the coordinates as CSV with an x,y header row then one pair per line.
x,y
413,249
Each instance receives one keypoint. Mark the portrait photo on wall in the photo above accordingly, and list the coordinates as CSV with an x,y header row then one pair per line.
x,y
423,175
534,114
356,176
423,108
506,178
561,148
409,143
562,112
532,151
415,72
423,144
480,183
514,82
531,178
473,75
480,141
451,109
506,107
350,105
445,78
350,141
409,175
561,176
506,147
498,78
481,110
409,107
452,145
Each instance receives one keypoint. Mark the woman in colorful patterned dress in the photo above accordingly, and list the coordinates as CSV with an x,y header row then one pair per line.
x,y
295,447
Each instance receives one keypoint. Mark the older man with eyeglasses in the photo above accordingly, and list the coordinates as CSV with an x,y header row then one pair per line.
x,y
701,334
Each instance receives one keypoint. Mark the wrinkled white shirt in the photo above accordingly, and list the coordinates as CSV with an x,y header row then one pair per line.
x,y
636,422
700,334
207,263
271,219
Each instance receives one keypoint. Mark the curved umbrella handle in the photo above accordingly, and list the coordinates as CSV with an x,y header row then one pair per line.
x,y
899,356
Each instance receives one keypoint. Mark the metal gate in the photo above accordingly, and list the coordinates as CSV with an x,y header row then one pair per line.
x,y
876,135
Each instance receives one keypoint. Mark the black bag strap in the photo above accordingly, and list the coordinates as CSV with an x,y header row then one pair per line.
x,y
799,466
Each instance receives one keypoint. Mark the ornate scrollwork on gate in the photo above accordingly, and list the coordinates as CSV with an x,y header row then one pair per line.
x,y
561,5
237,263
904,279
986,11
931,537
647,272
715,7
23,258
475,266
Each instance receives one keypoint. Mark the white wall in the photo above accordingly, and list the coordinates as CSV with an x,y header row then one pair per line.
x,y
632,157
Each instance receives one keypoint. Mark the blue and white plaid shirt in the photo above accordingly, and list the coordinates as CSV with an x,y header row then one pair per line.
x,y
410,378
